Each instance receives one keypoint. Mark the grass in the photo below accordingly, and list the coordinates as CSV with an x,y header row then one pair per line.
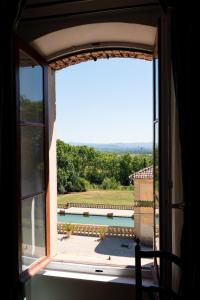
x,y
113,197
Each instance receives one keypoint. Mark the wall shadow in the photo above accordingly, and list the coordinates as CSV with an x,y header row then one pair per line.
x,y
117,246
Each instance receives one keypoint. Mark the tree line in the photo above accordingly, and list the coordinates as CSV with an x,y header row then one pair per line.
x,y
81,167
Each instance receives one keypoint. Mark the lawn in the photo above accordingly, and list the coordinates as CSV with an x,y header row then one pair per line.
x,y
114,197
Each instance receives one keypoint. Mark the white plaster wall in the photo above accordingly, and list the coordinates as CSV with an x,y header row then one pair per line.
x,y
54,288
72,37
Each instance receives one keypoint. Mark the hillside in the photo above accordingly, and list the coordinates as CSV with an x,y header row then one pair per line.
x,y
120,147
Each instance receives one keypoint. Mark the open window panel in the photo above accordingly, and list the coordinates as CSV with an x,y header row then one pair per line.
x,y
162,145
156,146
156,202
32,159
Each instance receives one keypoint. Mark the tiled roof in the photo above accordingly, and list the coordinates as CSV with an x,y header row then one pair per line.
x,y
146,173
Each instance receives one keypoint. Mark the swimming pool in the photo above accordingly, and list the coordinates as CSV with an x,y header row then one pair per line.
x,y
97,220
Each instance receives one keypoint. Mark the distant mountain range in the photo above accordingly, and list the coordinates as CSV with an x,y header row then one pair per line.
x,y
119,147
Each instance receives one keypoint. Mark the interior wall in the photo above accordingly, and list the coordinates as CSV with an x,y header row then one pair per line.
x,y
55,288
187,87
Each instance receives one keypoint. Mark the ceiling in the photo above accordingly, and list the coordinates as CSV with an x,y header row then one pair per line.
x,y
57,43
56,27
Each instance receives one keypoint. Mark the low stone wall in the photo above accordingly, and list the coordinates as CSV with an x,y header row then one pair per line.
x,y
97,230
102,206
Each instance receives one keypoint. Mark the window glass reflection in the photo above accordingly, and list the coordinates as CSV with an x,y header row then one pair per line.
x,y
32,160
31,89
33,229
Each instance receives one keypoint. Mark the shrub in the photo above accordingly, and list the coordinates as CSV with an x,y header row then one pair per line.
x,y
143,203
110,184
69,227
127,187
80,185
61,189
86,214
110,215
102,233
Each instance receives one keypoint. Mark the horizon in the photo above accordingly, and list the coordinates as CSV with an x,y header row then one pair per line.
x,y
145,147
112,143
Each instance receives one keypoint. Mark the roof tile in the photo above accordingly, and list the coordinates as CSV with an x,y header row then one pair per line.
x,y
144,173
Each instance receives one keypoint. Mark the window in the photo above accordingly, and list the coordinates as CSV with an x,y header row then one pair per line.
x,y
108,117
33,169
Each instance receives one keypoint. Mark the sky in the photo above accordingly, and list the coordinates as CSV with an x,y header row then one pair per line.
x,y
105,101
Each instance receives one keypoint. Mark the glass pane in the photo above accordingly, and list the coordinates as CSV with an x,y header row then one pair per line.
x,y
33,229
31,89
32,160
156,185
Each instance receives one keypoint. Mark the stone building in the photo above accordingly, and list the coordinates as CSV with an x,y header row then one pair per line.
x,y
143,205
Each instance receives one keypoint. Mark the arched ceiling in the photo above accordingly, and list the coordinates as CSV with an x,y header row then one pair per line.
x,y
68,32
41,17
113,34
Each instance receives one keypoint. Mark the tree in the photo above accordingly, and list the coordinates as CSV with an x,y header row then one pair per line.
x,y
80,166
126,169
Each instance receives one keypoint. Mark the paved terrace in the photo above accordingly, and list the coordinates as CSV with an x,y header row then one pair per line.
x,y
118,251
97,211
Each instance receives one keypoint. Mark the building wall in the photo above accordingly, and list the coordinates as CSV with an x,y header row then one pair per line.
x,y
143,216
143,189
55,288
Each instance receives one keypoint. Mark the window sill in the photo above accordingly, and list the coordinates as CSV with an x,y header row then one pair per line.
x,y
95,273
89,277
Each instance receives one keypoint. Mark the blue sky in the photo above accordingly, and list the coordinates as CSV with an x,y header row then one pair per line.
x,y
106,101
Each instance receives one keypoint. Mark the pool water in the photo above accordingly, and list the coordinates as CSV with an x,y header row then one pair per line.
x,y
97,220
